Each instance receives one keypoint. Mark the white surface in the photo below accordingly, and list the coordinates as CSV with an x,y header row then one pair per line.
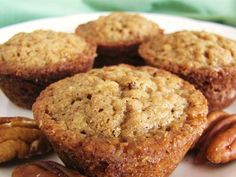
x,y
169,23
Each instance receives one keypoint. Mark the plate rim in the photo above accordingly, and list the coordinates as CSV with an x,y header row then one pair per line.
x,y
179,18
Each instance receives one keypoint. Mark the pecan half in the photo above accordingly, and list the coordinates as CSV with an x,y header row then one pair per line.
x,y
44,169
218,143
21,138
222,148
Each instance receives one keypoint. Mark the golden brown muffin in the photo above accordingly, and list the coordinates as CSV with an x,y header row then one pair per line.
x,y
44,169
118,36
31,61
204,59
121,120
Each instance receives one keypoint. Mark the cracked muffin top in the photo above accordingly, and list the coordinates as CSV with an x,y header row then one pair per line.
x,y
41,49
118,28
190,49
119,102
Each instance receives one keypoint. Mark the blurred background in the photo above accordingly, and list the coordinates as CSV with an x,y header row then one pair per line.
x,y
15,11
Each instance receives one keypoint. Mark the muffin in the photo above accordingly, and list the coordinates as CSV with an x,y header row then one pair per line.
x,y
31,61
206,60
118,36
121,120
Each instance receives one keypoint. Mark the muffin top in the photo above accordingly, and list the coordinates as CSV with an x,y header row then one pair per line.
x,y
190,49
41,49
119,28
118,102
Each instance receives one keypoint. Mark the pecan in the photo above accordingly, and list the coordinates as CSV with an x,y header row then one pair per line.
x,y
44,169
217,144
21,138
222,148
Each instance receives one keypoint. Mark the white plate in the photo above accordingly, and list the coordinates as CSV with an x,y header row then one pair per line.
x,y
169,23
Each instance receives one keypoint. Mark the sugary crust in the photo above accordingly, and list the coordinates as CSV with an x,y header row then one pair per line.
x,y
118,48
117,29
218,85
22,86
155,155
59,69
41,49
143,158
192,49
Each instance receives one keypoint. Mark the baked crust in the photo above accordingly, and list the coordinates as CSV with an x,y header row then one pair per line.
x,y
146,154
217,82
105,28
20,91
23,85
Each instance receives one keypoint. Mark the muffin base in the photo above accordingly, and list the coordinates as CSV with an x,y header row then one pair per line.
x,y
20,91
23,90
219,89
159,161
152,158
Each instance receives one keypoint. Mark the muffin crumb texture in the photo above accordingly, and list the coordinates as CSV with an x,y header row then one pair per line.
x,y
116,102
119,27
40,49
191,49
